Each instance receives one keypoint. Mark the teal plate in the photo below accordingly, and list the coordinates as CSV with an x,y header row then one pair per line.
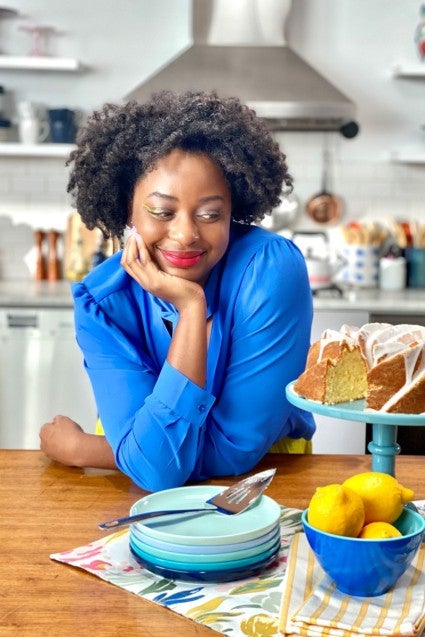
x,y
354,410
204,566
194,575
207,558
200,528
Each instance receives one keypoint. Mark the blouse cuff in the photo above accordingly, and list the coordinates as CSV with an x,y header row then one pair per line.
x,y
181,395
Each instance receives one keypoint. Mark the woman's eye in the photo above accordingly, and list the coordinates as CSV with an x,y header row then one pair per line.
x,y
209,215
159,213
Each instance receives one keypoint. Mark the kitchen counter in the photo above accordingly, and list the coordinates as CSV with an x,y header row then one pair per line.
x,y
409,301
58,294
35,294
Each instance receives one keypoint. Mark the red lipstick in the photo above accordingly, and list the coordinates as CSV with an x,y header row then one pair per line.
x,y
182,259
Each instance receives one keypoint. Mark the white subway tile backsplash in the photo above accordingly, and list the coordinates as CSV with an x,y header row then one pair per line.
x,y
33,194
31,186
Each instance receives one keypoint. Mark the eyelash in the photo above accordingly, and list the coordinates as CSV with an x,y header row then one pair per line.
x,y
208,216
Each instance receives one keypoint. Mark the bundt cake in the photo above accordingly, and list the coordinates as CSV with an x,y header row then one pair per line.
x,y
383,363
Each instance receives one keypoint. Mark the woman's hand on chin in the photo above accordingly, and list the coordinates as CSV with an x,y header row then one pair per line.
x,y
138,263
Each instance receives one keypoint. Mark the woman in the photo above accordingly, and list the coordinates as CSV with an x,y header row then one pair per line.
x,y
191,333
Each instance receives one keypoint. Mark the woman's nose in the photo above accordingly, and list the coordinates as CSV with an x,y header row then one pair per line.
x,y
184,230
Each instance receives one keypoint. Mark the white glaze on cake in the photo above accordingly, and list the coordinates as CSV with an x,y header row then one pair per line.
x,y
381,341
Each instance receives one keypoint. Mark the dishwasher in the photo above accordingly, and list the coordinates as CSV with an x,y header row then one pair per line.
x,y
41,374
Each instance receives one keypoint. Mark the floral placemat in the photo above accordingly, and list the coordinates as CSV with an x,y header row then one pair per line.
x,y
244,607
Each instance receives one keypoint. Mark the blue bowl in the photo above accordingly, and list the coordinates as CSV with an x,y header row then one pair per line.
x,y
367,567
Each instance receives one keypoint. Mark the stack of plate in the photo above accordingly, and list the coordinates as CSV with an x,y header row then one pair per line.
x,y
206,546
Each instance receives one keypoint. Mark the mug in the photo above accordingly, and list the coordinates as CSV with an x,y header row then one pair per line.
x,y
27,110
361,268
32,130
415,258
63,128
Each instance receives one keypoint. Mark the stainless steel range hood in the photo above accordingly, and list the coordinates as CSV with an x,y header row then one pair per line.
x,y
239,48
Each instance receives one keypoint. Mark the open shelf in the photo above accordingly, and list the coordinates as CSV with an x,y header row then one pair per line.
x,y
35,150
409,69
39,63
409,155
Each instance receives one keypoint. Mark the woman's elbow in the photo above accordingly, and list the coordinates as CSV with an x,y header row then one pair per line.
x,y
154,476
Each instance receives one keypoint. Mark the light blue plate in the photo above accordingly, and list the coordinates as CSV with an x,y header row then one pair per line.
x,y
189,565
354,410
190,549
207,558
211,527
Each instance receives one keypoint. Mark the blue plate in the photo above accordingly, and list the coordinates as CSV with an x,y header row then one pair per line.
x,y
354,410
194,575
201,558
204,549
203,528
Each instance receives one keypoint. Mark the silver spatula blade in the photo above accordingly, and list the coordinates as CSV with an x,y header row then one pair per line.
x,y
230,501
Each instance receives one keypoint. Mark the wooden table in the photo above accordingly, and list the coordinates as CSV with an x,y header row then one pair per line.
x,y
47,508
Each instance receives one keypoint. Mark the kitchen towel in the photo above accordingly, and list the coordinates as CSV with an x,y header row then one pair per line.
x,y
248,607
312,606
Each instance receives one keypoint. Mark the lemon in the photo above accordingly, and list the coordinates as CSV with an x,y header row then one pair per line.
x,y
379,530
383,496
336,509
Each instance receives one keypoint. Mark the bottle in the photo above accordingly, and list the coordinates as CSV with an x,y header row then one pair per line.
x,y
78,267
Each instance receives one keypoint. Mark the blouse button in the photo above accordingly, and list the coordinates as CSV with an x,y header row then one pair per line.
x,y
201,408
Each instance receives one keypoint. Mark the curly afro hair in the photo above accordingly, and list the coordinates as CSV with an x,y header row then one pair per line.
x,y
119,144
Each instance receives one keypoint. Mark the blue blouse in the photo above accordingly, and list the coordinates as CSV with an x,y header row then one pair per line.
x,y
163,428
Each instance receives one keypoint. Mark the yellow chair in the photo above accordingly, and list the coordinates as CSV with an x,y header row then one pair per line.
x,y
99,429
292,445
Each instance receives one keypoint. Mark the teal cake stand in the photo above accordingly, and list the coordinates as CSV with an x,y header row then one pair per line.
x,y
383,446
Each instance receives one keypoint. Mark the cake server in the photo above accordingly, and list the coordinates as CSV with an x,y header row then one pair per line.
x,y
230,501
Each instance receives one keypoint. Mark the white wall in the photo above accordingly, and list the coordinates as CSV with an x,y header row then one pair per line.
x,y
354,43
120,43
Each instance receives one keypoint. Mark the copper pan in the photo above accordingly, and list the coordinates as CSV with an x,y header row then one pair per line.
x,y
324,207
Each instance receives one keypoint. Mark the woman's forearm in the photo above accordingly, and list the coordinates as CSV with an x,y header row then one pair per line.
x,y
96,452
63,440
188,349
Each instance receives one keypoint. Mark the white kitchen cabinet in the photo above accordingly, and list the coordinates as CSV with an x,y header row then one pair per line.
x,y
334,435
